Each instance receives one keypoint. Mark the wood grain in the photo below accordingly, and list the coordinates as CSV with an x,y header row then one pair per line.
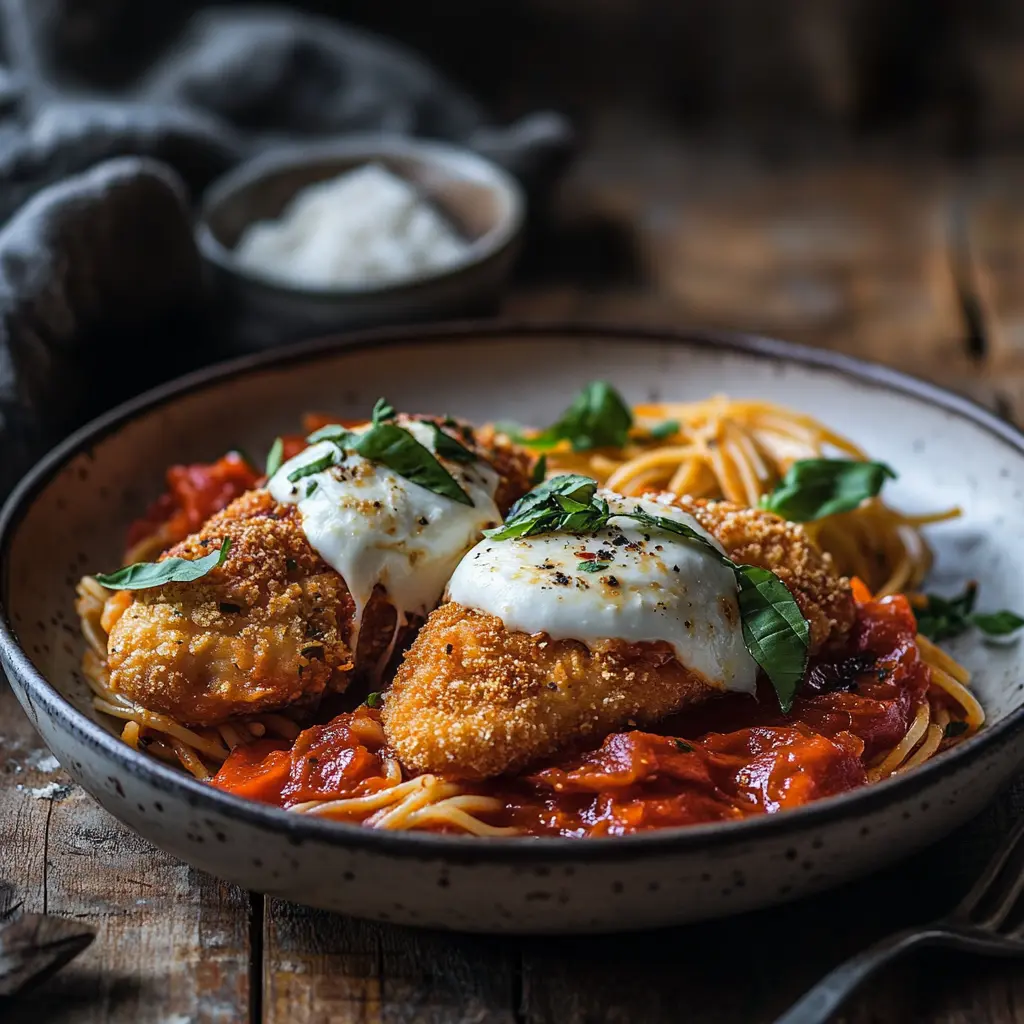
x,y
855,258
919,267
321,968
172,944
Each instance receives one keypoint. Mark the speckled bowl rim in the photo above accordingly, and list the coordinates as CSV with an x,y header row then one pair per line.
x,y
469,849
491,244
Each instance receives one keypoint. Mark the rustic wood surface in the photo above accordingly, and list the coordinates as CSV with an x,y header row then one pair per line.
x,y
920,267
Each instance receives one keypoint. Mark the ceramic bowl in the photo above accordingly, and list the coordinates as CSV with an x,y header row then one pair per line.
x,y
483,202
69,516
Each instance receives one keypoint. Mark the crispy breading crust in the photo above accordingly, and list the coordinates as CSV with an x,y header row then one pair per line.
x,y
757,537
474,699
267,628
184,650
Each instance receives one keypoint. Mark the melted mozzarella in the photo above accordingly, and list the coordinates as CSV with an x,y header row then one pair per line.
x,y
658,586
375,527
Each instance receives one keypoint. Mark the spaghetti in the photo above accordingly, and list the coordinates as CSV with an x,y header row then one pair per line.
x,y
736,450
739,450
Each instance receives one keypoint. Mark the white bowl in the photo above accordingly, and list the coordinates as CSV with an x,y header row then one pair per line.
x,y
68,516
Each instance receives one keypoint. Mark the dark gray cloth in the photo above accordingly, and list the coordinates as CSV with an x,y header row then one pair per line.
x,y
100,294
98,268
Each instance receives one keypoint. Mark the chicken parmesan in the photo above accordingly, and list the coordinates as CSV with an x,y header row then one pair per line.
x,y
631,619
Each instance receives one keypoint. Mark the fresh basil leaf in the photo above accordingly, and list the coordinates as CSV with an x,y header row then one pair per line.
x,y
774,630
524,526
597,418
816,488
316,466
943,618
664,429
382,410
592,565
682,746
540,470
335,434
143,575
275,457
373,699
447,447
572,485
1001,623
397,449
955,729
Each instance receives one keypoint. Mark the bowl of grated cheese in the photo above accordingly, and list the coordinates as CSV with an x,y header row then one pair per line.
x,y
368,231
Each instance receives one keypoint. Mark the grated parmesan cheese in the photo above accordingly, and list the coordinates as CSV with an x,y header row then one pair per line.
x,y
365,228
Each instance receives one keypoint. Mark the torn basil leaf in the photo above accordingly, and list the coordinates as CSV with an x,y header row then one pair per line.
x,y
447,447
275,457
942,618
775,631
316,466
384,441
540,470
1001,623
592,565
397,449
143,575
597,418
382,410
665,429
816,488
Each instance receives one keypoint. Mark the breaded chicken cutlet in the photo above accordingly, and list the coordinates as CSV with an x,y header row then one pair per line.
x,y
272,627
475,699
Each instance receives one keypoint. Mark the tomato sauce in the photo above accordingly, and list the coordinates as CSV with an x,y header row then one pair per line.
x,y
194,493
730,758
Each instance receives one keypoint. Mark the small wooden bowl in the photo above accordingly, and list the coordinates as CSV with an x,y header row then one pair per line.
x,y
483,203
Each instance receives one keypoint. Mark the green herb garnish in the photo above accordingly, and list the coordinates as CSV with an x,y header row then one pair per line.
x,y
592,565
943,618
275,457
449,448
597,418
395,447
775,632
955,729
683,747
816,488
311,487
316,466
664,429
143,575
540,470
373,699
382,410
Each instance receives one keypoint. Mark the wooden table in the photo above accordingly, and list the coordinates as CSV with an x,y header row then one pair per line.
x,y
919,267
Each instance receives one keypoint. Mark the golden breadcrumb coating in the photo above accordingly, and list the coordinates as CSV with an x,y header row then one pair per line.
x,y
269,628
756,537
474,699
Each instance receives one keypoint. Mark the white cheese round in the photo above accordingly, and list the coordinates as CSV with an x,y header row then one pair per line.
x,y
375,527
657,586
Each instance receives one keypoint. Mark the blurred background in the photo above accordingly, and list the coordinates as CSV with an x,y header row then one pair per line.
x,y
843,173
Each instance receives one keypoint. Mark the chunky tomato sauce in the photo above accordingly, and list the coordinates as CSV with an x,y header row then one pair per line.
x,y
194,493
729,758
201,489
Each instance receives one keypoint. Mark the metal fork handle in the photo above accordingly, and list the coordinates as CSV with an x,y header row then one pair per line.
x,y
821,1001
